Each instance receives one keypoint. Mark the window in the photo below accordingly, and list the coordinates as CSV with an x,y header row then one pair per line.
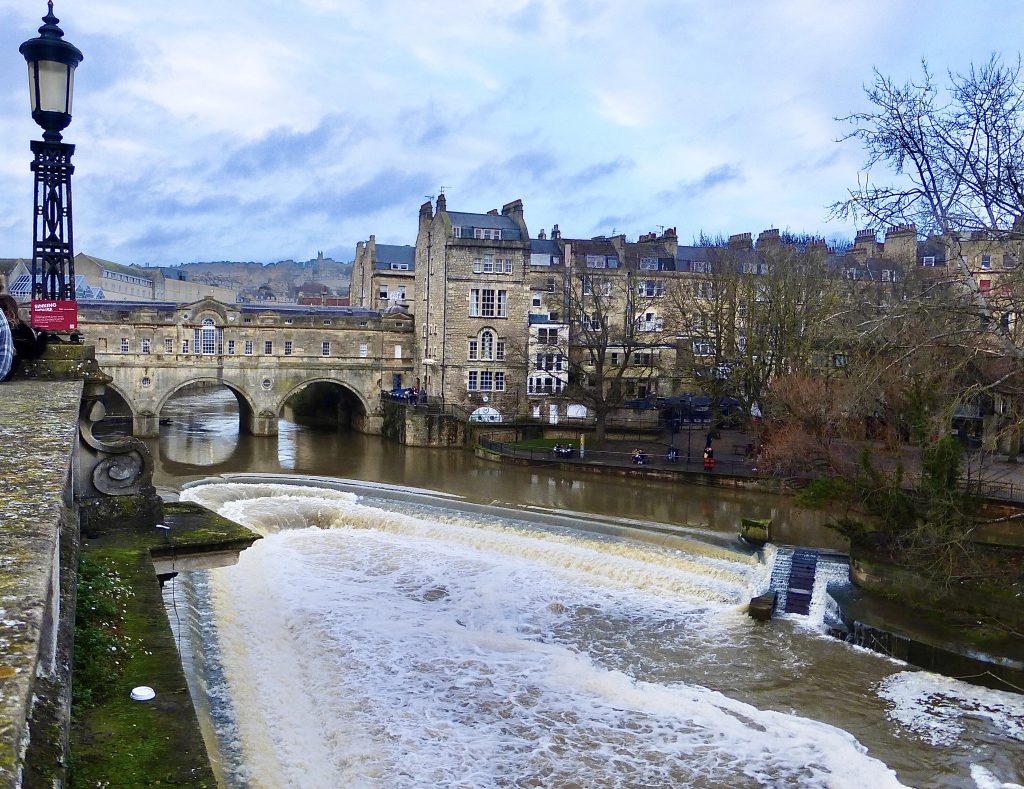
x,y
124,345
474,350
839,360
382,293
642,358
985,285
325,348
986,262
648,264
597,285
499,381
487,345
700,267
473,383
887,275
364,350
928,260
231,347
704,290
208,337
650,322
184,346
595,261
146,345
487,232
651,288
536,300
401,266
398,351
544,384
615,358
288,347
487,303
268,347
287,321
168,345
399,294
499,350
327,322
456,231
246,320
548,362
486,380
248,347
551,285
703,348
547,336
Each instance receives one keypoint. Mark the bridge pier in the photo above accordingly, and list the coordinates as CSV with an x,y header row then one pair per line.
x,y
262,424
146,425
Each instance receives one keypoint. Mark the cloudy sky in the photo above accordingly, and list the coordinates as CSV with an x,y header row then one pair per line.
x,y
270,129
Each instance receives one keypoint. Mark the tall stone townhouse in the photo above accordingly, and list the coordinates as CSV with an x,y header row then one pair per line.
x,y
383,275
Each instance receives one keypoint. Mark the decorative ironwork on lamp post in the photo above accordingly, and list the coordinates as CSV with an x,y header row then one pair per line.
x,y
51,78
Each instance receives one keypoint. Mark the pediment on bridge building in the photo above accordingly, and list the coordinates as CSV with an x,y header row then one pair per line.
x,y
208,308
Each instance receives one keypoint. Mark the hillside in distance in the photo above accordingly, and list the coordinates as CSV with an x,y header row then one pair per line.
x,y
284,276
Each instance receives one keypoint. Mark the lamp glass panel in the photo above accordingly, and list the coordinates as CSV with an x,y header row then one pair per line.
x,y
32,86
54,94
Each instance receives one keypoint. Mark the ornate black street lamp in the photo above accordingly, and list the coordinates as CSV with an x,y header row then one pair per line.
x,y
51,78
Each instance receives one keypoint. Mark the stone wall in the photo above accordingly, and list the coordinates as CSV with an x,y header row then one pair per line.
x,y
38,551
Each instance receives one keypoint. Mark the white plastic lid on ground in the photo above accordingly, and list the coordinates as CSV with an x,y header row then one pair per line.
x,y
143,693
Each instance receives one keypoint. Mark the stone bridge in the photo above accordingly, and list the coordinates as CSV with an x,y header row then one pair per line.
x,y
340,357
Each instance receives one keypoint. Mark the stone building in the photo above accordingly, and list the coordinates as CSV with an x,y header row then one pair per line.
x,y
383,275
472,305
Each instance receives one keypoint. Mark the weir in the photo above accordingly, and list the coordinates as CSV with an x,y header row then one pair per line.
x,y
390,632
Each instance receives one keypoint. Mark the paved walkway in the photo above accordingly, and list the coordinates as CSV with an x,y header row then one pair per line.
x,y
985,474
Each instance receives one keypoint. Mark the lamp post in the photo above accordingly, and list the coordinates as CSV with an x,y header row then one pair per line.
x,y
51,77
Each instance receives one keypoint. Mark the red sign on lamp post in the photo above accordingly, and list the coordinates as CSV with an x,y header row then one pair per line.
x,y
55,315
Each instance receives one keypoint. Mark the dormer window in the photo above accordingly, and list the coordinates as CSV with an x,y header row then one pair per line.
x,y
456,231
487,233
928,260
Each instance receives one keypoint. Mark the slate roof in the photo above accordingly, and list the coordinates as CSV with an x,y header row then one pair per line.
x,y
509,229
393,253
545,246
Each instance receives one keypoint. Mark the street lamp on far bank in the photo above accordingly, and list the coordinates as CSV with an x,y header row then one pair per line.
x,y
51,79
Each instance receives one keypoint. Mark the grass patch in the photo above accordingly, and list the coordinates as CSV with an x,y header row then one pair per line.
x,y
122,640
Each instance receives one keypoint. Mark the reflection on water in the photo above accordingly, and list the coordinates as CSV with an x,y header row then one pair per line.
x,y
202,438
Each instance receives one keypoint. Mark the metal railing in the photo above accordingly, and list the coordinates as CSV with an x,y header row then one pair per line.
x,y
692,463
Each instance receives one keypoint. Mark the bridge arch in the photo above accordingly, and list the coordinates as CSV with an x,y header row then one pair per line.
x,y
247,411
327,399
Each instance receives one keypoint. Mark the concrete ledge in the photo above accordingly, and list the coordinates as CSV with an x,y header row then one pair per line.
x,y
38,436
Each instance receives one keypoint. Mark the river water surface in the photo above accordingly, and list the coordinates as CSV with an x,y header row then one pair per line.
x,y
381,640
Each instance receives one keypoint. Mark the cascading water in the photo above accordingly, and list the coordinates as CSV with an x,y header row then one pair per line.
x,y
367,642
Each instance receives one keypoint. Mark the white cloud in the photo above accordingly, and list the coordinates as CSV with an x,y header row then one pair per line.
x,y
202,124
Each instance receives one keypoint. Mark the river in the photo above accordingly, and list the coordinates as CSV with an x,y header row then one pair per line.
x,y
370,640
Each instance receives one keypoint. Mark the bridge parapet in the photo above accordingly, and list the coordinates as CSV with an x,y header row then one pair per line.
x,y
39,434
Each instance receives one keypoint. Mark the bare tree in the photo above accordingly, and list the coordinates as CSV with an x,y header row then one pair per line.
x,y
753,316
612,352
955,154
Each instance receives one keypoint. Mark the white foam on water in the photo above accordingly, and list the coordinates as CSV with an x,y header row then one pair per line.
x,y
268,509
984,779
382,649
938,709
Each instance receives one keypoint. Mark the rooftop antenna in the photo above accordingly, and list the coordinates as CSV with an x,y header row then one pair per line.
x,y
443,188
661,228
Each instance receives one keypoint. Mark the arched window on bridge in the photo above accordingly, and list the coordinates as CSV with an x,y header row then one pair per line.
x,y
211,339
